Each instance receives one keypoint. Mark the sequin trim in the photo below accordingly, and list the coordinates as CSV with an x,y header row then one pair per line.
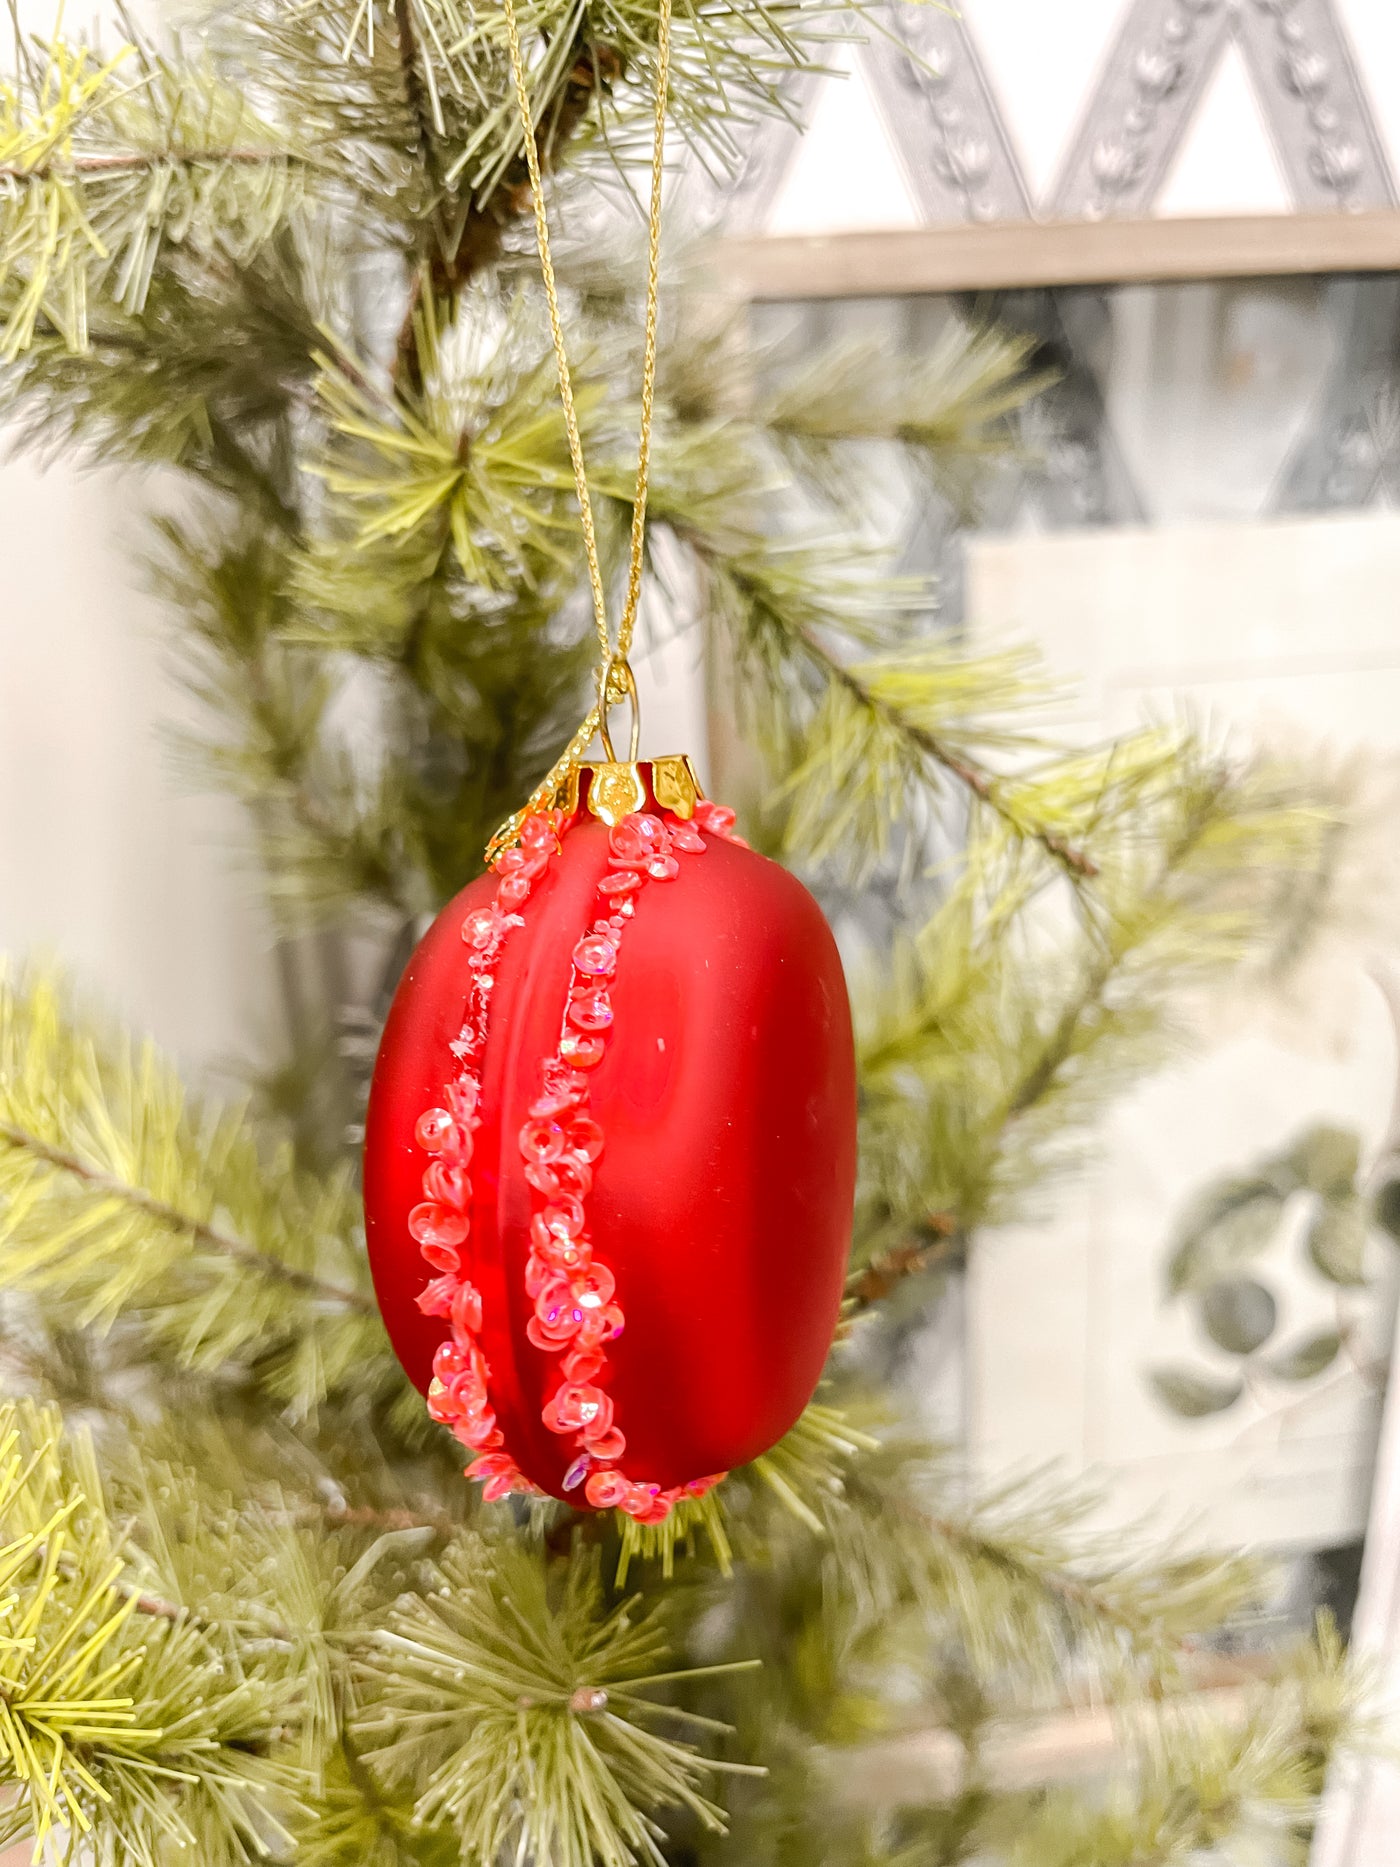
x,y
576,1312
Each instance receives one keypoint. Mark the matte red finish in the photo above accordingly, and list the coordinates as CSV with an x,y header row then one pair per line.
x,y
722,1201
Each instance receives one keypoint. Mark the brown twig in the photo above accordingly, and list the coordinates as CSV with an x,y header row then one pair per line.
x,y
160,1610
477,242
198,1229
133,162
414,89
174,1612
980,783
139,1599
889,1268
367,1517
155,1606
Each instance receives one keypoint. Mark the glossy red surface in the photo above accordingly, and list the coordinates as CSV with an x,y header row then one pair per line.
x,y
722,1200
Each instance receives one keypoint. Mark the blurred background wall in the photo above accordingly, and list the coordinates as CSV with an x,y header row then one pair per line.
x,y
1100,108
1131,107
108,860
1211,519
1204,525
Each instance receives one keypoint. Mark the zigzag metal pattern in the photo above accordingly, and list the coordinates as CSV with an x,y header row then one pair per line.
x,y
960,155
1152,82
1348,457
945,122
1321,121
939,107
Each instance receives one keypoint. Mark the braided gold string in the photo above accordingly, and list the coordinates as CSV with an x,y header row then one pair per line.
x,y
614,677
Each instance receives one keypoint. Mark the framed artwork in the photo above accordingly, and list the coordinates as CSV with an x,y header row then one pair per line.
x,y
1201,513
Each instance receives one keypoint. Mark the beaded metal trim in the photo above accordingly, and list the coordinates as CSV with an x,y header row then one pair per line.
x,y
576,1314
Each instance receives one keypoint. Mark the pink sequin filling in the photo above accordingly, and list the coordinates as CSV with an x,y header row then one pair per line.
x,y
575,1313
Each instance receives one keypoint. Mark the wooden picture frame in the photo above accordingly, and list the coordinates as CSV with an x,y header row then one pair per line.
x,y
1015,255
1359,1824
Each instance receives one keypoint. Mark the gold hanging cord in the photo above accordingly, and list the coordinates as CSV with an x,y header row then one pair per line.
x,y
614,676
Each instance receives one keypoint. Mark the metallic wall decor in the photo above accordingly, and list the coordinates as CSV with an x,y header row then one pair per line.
x,y
741,200
958,147
952,140
1134,123
1348,456
1322,124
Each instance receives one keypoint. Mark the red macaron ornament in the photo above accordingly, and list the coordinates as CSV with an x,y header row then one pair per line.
x,y
610,1151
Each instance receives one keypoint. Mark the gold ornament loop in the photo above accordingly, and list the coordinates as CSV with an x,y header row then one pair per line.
x,y
613,788
616,683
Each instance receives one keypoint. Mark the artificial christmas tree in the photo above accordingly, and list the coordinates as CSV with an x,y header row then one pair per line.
x,y
250,1608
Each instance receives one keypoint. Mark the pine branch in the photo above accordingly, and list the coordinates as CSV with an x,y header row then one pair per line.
x,y
1016,1567
478,462
466,239
731,67
974,1088
136,162
858,743
1187,891
122,1199
99,178
1155,1610
520,1713
326,837
988,1608
975,779
1195,1781
948,407
105,1186
161,1736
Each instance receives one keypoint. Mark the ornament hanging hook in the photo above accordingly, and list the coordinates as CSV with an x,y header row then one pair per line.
x,y
616,682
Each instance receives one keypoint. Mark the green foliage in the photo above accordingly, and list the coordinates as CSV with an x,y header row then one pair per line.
x,y
473,459
122,1197
1239,1315
1019,1583
106,163
1205,1783
524,1723
1198,1784
284,255
863,727
993,1043
729,65
128,1724
965,386
1308,1358
1193,1395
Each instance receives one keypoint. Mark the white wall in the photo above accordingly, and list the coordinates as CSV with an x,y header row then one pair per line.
x,y
1285,631
107,861
1097,108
